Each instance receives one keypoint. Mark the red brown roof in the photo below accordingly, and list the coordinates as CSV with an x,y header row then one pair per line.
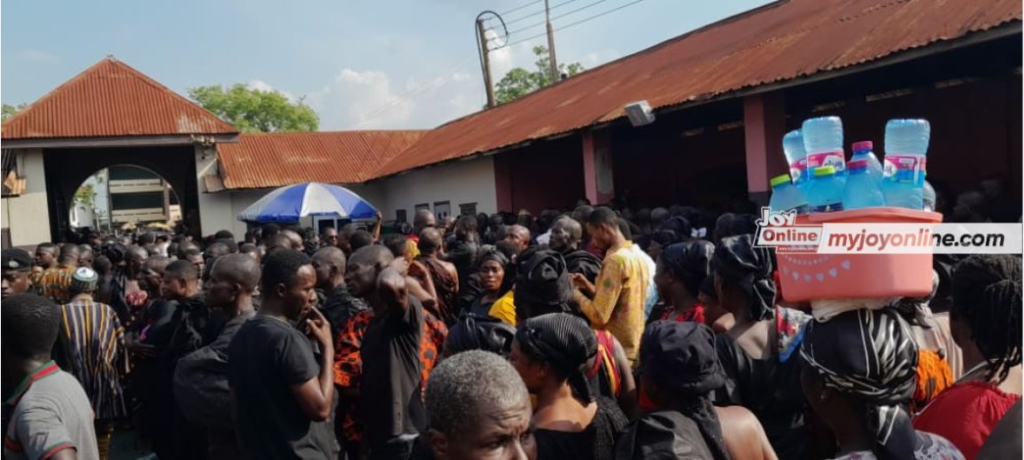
x,y
111,99
783,41
277,159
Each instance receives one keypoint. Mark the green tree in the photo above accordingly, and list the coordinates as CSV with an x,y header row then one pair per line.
x,y
519,82
252,110
9,110
85,195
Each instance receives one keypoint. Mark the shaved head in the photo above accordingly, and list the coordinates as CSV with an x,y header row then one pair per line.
x,y
424,219
69,254
331,255
430,241
293,238
371,255
237,268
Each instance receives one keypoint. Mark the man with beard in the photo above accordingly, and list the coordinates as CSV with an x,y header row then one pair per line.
x,y
566,235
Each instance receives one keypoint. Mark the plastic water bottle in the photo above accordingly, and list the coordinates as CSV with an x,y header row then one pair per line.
x,y
906,144
928,196
793,147
786,196
861,189
865,150
823,141
825,192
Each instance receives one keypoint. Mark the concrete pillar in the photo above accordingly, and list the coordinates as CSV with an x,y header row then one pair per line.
x,y
764,124
215,211
27,217
598,178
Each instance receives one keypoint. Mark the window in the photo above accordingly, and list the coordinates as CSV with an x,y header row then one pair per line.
x,y
400,216
442,209
467,209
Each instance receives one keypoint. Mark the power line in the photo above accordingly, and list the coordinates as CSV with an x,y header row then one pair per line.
x,y
577,10
521,7
538,13
581,21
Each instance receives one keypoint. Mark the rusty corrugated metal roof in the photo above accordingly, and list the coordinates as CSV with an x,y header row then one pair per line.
x,y
111,99
783,41
276,159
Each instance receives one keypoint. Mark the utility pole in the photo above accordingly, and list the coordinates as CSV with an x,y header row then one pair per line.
x,y
485,52
552,61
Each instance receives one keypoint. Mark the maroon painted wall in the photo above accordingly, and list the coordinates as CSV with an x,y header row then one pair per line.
x,y
976,129
661,167
542,175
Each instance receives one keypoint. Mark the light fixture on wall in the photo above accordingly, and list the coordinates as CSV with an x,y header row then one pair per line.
x,y
207,145
639,113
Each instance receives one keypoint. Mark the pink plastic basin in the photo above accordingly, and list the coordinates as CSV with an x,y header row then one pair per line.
x,y
858,276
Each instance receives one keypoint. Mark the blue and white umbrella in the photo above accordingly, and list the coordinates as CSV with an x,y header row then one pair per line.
x,y
292,202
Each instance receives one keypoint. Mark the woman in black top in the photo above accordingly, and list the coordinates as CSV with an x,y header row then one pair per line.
x,y
495,277
550,353
758,352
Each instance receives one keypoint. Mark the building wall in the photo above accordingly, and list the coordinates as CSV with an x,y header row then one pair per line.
x,y
27,216
459,182
543,175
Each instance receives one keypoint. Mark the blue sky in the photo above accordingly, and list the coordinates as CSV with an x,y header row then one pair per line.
x,y
360,64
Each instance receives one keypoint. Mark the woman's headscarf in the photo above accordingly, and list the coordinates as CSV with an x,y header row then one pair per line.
x,y
473,332
492,253
869,355
681,359
563,341
738,262
542,282
689,262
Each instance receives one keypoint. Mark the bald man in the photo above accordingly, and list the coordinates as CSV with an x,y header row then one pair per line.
x,y
519,236
201,377
443,274
566,235
333,297
399,348
294,239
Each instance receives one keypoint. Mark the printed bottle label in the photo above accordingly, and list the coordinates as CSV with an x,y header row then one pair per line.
x,y
915,164
834,158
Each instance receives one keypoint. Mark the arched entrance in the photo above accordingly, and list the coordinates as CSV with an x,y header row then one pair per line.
x,y
67,169
124,197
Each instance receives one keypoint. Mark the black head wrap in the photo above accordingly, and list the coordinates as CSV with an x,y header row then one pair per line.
x,y
678,225
680,358
473,332
491,253
563,341
542,281
738,262
689,262
871,356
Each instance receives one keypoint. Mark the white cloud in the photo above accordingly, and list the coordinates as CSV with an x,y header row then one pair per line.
x,y
260,85
372,100
37,56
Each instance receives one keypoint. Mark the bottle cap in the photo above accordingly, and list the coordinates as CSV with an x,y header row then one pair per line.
x,y
824,171
856,164
863,145
779,180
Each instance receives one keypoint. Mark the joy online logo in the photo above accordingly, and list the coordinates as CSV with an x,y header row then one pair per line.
x,y
780,230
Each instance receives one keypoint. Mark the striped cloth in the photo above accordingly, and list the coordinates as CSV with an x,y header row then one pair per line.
x,y
55,283
91,347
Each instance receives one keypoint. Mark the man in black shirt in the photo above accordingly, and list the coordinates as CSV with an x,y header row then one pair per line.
x,y
282,397
392,404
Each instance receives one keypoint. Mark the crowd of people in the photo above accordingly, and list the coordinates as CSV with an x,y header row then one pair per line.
x,y
595,333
